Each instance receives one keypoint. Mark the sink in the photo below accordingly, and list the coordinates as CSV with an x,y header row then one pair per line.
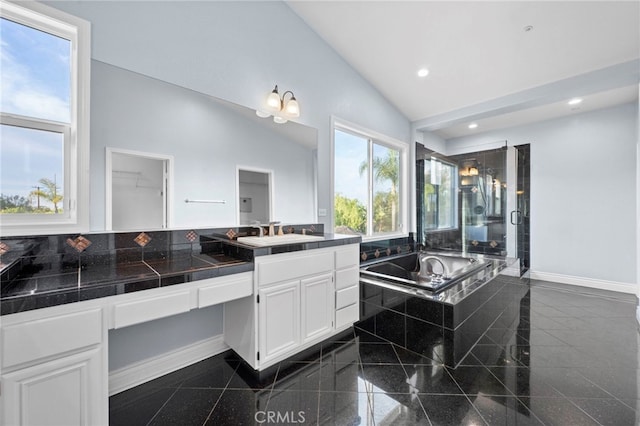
x,y
279,239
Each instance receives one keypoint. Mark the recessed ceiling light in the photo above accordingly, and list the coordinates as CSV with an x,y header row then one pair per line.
x,y
423,72
473,125
574,101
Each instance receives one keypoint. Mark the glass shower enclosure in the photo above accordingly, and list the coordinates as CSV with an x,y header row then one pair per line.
x,y
474,202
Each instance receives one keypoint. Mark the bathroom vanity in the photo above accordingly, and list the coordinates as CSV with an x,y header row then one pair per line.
x,y
300,299
61,295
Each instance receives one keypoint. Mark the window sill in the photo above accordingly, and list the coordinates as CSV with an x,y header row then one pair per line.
x,y
436,231
381,237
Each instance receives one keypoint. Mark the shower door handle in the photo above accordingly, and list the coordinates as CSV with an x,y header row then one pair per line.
x,y
518,220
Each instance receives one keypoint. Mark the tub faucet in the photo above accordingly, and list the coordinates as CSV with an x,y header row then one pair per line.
x,y
425,260
256,224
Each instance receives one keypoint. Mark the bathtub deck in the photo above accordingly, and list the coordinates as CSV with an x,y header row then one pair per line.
x,y
447,324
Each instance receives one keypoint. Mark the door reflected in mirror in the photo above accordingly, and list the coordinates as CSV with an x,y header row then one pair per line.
x,y
254,190
138,190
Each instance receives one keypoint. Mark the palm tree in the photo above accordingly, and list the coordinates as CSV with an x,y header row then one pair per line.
x,y
49,191
386,169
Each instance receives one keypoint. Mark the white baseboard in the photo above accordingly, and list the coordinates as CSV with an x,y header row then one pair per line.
x,y
628,288
152,368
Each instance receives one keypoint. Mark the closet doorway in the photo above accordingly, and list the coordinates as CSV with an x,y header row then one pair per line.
x,y
255,195
138,190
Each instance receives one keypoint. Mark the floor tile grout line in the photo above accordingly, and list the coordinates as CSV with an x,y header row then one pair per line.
x,y
407,376
273,385
221,393
579,408
530,410
465,395
603,389
370,405
163,405
476,410
515,395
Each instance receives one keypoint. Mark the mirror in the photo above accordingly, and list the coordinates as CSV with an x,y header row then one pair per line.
x,y
209,140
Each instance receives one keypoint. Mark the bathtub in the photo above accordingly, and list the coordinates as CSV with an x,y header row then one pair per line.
x,y
433,272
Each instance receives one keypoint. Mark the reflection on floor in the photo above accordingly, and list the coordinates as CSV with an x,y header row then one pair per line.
x,y
572,359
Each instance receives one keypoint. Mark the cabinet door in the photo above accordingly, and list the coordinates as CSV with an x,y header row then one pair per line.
x,y
317,306
279,314
65,391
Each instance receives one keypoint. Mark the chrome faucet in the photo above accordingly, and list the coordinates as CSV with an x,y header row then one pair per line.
x,y
272,230
436,277
256,224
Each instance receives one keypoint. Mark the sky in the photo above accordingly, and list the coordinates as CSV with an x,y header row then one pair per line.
x,y
350,153
34,82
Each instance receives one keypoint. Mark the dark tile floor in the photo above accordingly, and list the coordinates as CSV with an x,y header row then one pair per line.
x,y
570,359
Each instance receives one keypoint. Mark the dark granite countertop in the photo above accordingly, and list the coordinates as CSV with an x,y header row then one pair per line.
x,y
330,240
36,286
44,271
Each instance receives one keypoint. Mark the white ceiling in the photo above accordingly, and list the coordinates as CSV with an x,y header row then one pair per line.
x,y
482,62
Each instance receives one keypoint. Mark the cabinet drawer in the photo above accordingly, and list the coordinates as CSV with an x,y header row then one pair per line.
x,y
348,315
33,340
347,277
346,296
223,291
348,256
292,267
151,308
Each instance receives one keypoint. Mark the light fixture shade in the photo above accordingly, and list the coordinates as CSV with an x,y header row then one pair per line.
x,y
292,109
273,100
275,105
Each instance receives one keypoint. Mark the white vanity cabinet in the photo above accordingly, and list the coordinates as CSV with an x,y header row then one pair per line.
x,y
316,299
279,319
54,367
347,286
295,304
54,360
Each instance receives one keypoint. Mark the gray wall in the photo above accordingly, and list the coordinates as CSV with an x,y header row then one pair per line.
x,y
583,192
147,340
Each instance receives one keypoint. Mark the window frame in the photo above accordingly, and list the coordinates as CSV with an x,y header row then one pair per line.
x,y
75,133
403,177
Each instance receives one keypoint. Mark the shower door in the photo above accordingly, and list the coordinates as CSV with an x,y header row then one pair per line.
x,y
514,219
518,205
484,184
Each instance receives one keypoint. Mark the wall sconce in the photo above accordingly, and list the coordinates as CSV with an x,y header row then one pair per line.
x,y
281,108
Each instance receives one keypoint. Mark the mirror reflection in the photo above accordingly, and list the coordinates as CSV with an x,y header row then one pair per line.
x,y
208,140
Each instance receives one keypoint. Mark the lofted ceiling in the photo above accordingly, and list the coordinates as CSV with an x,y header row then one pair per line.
x,y
494,63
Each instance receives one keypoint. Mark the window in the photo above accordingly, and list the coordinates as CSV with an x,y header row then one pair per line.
x,y
44,124
369,185
440,195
